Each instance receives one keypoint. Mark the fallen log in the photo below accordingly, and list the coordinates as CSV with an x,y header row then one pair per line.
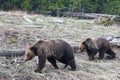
x,y
75,48
21,52
27,19
10,53
114,41
89,15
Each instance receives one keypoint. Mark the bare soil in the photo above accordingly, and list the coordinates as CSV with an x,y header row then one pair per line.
x,y
18,30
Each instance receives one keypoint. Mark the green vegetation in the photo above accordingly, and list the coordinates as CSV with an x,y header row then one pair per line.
x,y
11,40
55,7
104,21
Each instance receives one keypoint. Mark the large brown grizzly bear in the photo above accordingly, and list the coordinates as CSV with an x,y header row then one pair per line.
x,y
100,45
51,50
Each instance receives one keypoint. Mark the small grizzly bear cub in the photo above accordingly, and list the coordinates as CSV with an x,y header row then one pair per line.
x,y
51,50
100,45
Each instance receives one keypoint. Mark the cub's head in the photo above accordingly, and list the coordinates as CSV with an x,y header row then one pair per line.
x,y
85,44
81,48
30,53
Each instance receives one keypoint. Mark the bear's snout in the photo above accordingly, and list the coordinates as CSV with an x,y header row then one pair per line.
x,y
25,59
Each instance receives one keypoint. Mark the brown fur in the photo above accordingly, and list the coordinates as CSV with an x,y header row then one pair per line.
x,y
100,45
51,50
81,48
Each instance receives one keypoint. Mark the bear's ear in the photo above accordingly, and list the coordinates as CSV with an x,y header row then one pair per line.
x,y
40,41
87,42
34,49
84,43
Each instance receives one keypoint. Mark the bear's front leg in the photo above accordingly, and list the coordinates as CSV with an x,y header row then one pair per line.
x,y
91,57
41,63
101,54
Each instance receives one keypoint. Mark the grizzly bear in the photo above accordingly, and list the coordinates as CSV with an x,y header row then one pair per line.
x,y
51,50
93,46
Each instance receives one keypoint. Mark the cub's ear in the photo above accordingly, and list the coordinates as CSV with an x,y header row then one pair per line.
x,y
84,43
34,49
40,41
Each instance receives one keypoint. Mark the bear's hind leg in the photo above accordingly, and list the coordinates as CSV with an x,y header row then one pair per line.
x,y
111,53
52,60
73,65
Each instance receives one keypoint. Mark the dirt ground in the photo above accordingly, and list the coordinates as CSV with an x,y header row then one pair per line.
x,y
18,30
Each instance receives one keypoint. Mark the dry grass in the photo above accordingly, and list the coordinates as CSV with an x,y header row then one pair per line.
x,y
13,25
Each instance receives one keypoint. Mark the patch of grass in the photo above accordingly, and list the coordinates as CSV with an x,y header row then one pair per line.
x,y
1,20
104,21
11,40
67,71
118,34
113,66
102,79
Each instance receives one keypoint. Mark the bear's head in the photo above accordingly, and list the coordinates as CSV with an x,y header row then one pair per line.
x,y
85,44
30,53
81,48
88,44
